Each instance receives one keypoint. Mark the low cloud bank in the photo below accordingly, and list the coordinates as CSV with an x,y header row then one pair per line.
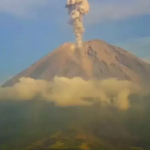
x,y
72,92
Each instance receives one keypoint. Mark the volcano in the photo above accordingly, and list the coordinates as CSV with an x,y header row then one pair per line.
x,y
96,60
39,125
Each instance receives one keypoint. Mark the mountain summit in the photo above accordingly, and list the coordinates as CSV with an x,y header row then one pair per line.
x,y
96,60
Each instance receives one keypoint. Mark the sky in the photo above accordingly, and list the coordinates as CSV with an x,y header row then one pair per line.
x,y
30,29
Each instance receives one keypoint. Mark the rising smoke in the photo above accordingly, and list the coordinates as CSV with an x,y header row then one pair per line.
x,y
72,92
76,10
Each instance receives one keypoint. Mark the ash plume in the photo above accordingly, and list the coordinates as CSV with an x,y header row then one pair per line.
x,y
77,9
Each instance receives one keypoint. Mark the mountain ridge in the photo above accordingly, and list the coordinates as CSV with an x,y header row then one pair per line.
x,y
97,60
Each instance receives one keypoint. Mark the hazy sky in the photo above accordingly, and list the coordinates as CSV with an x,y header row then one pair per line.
x,y
30,29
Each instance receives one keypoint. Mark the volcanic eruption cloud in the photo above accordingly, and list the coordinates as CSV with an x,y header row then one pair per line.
x,y
77,9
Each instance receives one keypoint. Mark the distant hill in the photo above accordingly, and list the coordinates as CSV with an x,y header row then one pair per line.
x,y
74,140
97,60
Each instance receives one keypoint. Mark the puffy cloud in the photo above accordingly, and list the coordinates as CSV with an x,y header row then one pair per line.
x,y
100,10
23,8
72,92
117,10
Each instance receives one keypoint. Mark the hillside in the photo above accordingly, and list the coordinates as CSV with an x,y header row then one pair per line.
x,y
97,60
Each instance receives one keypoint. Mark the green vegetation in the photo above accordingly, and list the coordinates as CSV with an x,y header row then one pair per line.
x,y
76,142
39,125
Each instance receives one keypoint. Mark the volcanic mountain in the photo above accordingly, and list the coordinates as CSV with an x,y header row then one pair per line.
x,y
40,125
96,60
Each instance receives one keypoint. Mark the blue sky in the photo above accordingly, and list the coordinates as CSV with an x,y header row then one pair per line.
x,y
30,29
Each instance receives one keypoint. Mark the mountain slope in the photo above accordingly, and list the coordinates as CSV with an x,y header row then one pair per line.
x,y
97,60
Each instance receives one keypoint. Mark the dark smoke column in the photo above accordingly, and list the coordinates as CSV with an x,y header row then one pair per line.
x,y
77,9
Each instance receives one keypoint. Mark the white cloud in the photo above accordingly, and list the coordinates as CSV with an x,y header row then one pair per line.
x,y
109,10
22,8
116,10
101,11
